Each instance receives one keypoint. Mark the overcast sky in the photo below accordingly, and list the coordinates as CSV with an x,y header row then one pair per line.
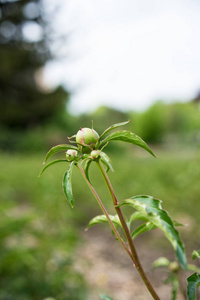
x,y
127,54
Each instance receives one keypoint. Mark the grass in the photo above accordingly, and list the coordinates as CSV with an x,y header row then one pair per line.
x,y
39,230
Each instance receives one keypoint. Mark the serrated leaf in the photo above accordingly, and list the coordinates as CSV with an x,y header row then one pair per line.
x,y
67,185
103,219
142,228
152,209
104,297
196,254
106,160
129,137
113,127
193,283
52,163
86,169
59,148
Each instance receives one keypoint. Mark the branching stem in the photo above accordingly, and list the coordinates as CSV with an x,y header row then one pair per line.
x,y
106,213
136,260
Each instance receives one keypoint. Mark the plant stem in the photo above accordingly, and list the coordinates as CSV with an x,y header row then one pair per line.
x,y
106,213
128,234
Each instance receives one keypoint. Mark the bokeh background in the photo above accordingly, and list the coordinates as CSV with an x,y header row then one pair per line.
x,y
62,66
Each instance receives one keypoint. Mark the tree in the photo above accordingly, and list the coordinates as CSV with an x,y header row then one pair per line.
x,y
24,50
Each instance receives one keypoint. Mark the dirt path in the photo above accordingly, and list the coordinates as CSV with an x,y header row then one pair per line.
x,y
108,270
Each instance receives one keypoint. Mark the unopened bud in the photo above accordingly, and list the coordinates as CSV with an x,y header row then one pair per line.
x,y
87,137
174,267
95,153
71,154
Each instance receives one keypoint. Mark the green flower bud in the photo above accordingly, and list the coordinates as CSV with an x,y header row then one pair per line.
x,y
174,267
95,154
71,154
87,137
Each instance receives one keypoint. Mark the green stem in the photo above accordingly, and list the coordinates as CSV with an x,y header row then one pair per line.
x,y
128,234
105,212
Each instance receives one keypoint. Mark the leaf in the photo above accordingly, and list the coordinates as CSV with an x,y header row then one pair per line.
x,y
196,254
177,223
86,169
161,262
103,219
151,208
193,268
136,216
175,287
113,127
129,137
52,163
142,228
59,148
193,283
104,297
67,185
106,160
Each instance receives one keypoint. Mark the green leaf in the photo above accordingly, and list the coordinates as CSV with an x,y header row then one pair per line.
x,y
151,209
193,268
193,283
67,185
86,169
143,228
196,254
161,262
136,216
104,297
59,148
52,163
103,219
113,127
106,160
175,287
177,223
129,137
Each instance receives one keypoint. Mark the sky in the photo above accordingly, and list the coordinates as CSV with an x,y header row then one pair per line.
x,y
126,54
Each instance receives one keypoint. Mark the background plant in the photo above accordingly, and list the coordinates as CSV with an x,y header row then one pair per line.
x,y
21,191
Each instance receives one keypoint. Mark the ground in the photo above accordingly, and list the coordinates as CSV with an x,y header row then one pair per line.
x,y
108,270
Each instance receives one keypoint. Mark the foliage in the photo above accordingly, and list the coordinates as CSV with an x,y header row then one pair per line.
x,y
155,217
193,283
174,277
24,101
176,123
37,239
152,124
23,195
178,127
88,149
194,279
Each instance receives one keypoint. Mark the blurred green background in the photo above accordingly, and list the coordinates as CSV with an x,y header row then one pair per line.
x,y
39,231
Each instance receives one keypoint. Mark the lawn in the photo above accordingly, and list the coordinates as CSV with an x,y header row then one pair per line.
x,y
39,230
